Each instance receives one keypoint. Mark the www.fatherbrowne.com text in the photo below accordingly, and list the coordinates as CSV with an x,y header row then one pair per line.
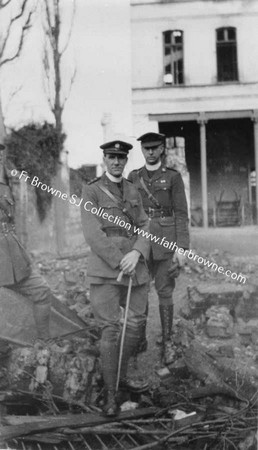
x,y
100,212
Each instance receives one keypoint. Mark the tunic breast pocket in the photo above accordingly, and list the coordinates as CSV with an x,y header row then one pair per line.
x,y
162,193
159,186
108,213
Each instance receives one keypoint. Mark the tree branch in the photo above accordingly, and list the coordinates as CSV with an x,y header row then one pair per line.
x,y
47,83
2,4
70,31
10,98
25,27
70,87
49,27
24,30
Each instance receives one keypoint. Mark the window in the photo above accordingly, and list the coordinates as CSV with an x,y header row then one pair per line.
x,y
227,54
173,57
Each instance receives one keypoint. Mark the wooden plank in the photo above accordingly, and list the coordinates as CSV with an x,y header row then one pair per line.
x,y
85,420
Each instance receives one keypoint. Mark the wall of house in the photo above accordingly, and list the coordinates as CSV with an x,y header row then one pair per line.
x,y
201,92
198,20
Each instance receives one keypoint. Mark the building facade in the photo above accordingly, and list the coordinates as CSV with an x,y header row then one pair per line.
x,y
195,75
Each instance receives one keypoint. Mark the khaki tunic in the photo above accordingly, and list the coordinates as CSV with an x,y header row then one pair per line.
x,y
102,233
14,261
167,186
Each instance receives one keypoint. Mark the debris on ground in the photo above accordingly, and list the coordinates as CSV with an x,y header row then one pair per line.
x,y
52,394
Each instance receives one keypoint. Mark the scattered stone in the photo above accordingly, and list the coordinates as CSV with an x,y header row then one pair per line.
x,y
220,323
178,369
245,334
128,406
163,373
226,350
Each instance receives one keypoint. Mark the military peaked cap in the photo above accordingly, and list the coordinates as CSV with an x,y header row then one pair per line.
x,y
151,139
116,147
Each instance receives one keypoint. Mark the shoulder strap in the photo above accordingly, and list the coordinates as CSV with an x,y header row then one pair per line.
x,y
116,201
150,196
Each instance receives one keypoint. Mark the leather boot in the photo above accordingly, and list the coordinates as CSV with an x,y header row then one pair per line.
x,y
41,313
166,318
109,363
110,409
142,342
132,336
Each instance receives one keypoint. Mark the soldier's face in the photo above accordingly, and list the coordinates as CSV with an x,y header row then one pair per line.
x,y
115,164
153,154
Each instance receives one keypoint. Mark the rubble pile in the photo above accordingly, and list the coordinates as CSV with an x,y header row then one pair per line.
x,y
207,270
66,368
51,395
67,278
213,401
223,313
201,403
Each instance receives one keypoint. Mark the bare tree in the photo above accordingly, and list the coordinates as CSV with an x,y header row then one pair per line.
x,y
57,37
54,50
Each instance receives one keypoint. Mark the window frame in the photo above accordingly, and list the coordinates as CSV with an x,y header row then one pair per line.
x,y
177,74
230,45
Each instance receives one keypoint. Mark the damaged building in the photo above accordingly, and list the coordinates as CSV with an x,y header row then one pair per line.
x,y
195,76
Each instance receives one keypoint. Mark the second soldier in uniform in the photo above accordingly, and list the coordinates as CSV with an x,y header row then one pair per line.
x,y
164,200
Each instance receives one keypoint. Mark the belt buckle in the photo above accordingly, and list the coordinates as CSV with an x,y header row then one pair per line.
x,y
151,212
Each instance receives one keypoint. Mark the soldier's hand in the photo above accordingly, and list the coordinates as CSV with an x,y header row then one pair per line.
x,y
129,262
177,262
180,259
174,270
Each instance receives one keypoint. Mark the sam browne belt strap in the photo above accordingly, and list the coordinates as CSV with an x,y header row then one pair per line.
x,y
150,195
119,204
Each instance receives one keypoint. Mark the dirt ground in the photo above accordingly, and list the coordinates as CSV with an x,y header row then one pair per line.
x,y
239,241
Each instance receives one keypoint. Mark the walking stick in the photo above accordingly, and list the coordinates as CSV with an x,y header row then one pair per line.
x,y
124,328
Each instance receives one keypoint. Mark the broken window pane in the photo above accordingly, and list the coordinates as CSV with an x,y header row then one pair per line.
x,y
173,57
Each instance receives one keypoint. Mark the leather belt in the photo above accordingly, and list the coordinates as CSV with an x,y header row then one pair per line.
x,y
118,232
6,227
153,212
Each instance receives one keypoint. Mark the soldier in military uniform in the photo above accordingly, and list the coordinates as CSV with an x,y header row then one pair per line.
x,y
16,272
111,208
163,196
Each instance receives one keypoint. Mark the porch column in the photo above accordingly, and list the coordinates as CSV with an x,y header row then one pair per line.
x,y
255,121
202,123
